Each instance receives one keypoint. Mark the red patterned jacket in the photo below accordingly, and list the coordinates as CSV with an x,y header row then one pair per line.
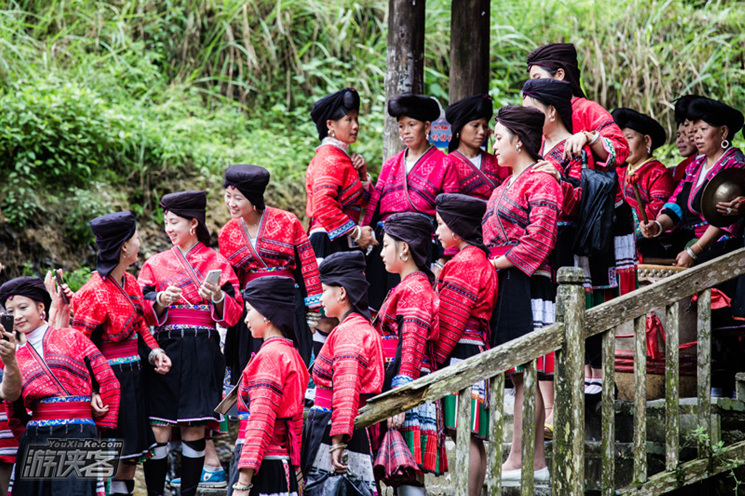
x,y
520,221
467,288
334,192
112,315
272,390
410,308
473,181
570,168
350,364
655,184
187,271
281,246
591,116
396,191
65,353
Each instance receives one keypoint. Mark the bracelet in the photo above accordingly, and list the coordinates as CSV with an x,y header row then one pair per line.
x,y
438,264
335,447
595,139
359,234
247,487
659,225
222,298
154,353
691,253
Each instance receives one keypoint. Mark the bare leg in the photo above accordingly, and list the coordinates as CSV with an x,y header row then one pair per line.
x,y
477,467
210,454
514,459
547,392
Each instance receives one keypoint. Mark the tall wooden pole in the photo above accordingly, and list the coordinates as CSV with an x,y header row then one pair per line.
x,y
469,48
404,65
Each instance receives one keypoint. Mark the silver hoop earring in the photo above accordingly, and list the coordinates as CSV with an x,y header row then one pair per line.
x,y
332,134
427,137
649,150
725,144
517,147
552,118
266,320
192,231
43,315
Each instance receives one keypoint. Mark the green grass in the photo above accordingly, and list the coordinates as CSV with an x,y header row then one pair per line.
x,y
109,104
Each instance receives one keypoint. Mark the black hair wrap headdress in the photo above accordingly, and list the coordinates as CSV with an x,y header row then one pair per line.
x,y
189,205
250,180
111,232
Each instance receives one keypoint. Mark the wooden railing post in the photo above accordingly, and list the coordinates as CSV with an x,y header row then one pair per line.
x,y
568,474
704,368
672,388
640,400
462,441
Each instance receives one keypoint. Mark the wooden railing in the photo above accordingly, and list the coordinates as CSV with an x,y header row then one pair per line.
x,y
567,338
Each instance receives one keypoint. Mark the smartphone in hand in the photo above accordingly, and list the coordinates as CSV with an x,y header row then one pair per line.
x,y
7,321
60,282
213,277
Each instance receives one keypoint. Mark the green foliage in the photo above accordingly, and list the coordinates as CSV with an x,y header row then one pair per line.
x,y
110,104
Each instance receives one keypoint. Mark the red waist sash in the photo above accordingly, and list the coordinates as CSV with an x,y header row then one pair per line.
x,y
122,349
72,407
189,316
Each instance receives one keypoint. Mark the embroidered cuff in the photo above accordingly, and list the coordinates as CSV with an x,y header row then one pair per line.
x,y
400,380
312,301
673,211
345,229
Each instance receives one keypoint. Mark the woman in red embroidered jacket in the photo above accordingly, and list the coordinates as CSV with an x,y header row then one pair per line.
x,y
271,391
337,184
109,310
592,125
57,387
520,231
467,287
186,308
10,391
408,182
652,180
478,171
406,322
261,241
347,371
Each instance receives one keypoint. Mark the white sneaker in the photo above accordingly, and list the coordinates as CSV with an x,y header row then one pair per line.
x,y
542,476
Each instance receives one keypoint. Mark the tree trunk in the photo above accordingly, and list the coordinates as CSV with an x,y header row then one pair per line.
x,y
469,48
404,71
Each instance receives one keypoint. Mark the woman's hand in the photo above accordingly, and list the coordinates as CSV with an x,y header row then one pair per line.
x,y
573,145
99,409
367,238
162,363
548,168
360,165
210,292
8,345
683,259
397,421
735,208
169,296
650,229
336,455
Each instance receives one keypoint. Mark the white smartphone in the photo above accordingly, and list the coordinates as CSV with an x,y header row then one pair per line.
x,y
213,276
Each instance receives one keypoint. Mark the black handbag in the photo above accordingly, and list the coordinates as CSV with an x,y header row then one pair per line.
x,y
595,219
336,485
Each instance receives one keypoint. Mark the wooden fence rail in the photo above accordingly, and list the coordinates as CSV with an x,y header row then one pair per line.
x,y
567,339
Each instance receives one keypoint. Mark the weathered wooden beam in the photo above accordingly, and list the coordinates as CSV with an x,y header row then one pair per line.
x,y
640,399
462,441
704,367
469,48
568,477
688,473
608,416
530,389
404,62
456,377
496,435
675,288
672,388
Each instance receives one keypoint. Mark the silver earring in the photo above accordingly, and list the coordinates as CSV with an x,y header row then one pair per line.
x,y
332,134
266,320
649,150
427,137
43,315
725,144
517,147
552,118
192,231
